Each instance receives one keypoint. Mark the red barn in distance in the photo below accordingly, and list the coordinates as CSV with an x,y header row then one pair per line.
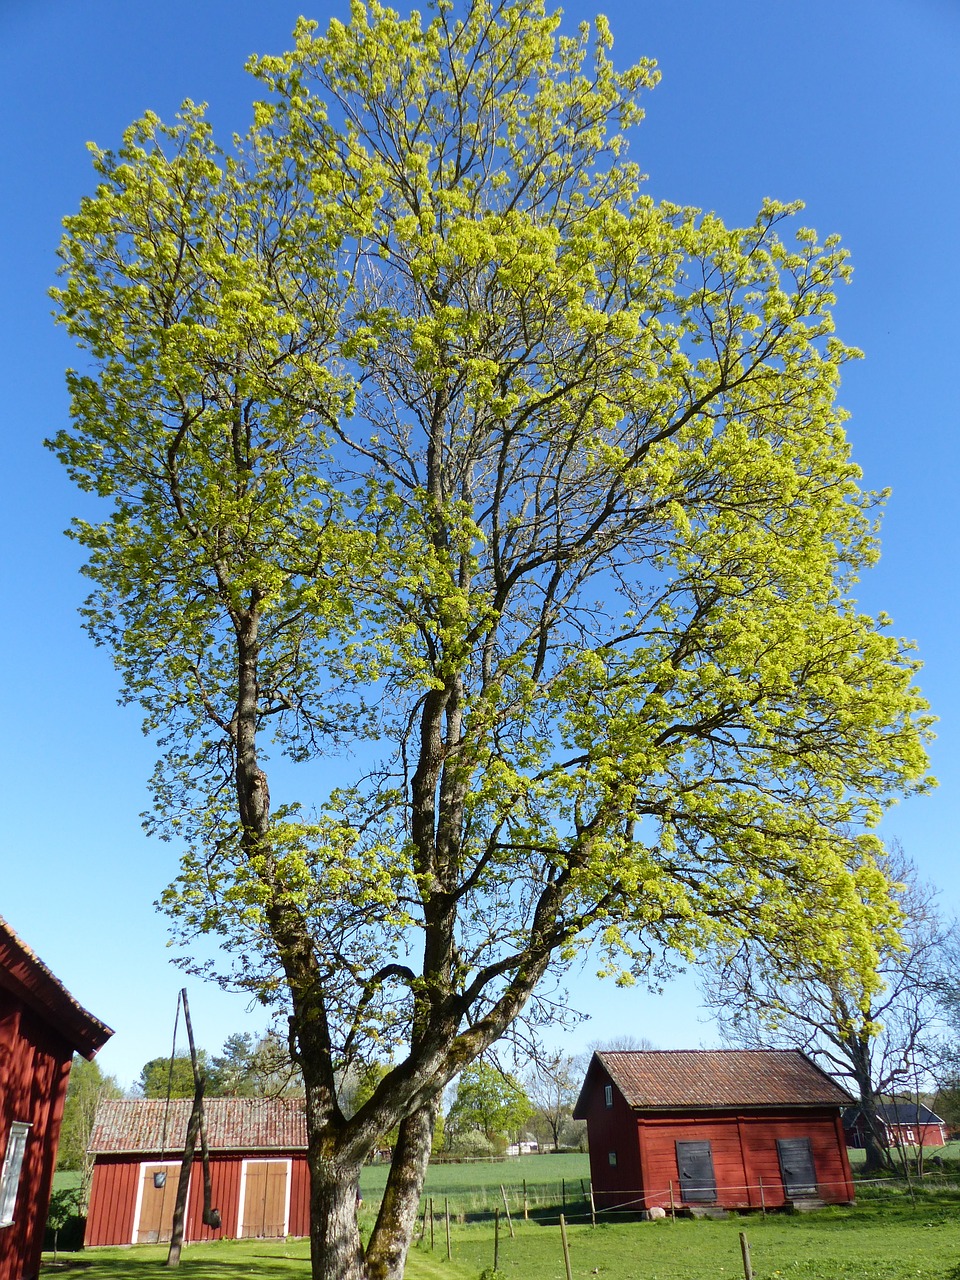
x,y
714,1129
41,1027
258,1170
908,1124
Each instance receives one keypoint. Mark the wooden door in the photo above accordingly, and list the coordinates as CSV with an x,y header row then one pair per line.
x,y
264,1211
796,1167
155,1216
695,1166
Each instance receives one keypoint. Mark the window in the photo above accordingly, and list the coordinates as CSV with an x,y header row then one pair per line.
x,y
608,1095
10,1177
612,1158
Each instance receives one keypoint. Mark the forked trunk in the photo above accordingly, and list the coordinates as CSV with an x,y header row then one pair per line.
x,y
387,1251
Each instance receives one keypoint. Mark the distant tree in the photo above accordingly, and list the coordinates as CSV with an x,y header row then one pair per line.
x,y
490,1102
155,1076
87,1088
877,1033
248,1067
553,1084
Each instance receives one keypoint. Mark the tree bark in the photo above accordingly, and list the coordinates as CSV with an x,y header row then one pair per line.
x,y
387,1251
183,1186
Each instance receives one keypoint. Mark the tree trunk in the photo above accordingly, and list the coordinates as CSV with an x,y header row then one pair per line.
x,y
336,1252
183,1185
387,1250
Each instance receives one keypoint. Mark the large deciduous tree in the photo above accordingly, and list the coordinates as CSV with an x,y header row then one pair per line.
x,y
426,433
879,1033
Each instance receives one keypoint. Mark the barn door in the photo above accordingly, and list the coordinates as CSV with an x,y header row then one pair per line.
x,y
695,1165
264,1209
154,1219
796,1166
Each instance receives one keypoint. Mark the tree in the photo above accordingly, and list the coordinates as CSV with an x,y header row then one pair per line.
x,y
86,1089
157,1080
553,1085
427,436
490,1102
877,1033
253,1068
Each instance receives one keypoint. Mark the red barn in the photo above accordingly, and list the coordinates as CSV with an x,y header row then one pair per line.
x,y
258,1170
720,1128
908,1124
41,1027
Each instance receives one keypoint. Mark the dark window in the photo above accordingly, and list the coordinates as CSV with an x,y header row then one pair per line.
x,y
612,1157
796,1166
608,1095
695,1164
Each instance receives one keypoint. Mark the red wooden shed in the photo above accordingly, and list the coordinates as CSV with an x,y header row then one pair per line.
x,y
715,1128
41,1027
908,1124
258,1170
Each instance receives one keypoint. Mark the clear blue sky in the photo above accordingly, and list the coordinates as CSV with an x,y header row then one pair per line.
x,y
853,107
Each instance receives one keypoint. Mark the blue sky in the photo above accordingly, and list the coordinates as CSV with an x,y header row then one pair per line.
x,y
852,107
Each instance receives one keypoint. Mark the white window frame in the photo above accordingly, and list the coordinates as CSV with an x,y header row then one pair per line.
x,y
12,1168
608,1096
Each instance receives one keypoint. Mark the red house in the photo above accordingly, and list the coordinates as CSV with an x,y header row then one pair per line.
x,y
258,1170
907,1124
717,1128
41,1027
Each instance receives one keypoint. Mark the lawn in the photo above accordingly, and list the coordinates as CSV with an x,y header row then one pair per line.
x,y
892,1240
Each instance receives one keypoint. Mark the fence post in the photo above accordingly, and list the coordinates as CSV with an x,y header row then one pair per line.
x,y
763,1200
593,1208
526,1214
496,1240
431,1222
673,1207
446,1214
563,1193
745,1250
566,1247
506,1210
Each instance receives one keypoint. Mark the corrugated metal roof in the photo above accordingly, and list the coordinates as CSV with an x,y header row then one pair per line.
x,y
713,1078
136,1126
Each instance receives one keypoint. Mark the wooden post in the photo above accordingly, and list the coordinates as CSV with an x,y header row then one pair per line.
x,y
183,1186
423,1224
446,1214
496,1240
583,1194
506,1210
763,1199
566,1247
431,1222
745,1250
526,1213
673,1207
563,1193
593,1208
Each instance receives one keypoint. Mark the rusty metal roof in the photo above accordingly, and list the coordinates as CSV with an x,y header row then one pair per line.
x,y
24,974
136,1126
708,1079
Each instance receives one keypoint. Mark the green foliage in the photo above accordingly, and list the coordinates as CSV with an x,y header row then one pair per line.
x,y
490,1102
86,1088
155,1076
248,1067
422,430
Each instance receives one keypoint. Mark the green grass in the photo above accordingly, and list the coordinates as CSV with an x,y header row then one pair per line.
x,y
893,1241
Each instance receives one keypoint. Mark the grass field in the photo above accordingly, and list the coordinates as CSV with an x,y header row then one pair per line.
x,y
869,1243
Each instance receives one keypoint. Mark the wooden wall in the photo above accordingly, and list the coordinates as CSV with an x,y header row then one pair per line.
x,y
34,1067
113,1196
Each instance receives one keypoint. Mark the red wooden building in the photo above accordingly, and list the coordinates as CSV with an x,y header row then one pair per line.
x,y
41,1027
907,1124
258,1170
727,1128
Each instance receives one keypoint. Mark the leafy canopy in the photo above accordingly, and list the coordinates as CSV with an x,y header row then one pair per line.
x,y
426,435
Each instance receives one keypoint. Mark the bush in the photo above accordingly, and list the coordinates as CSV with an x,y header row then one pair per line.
x,y
472,1144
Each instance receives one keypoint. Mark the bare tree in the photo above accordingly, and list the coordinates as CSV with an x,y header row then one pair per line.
x,y
876,1037
552,1087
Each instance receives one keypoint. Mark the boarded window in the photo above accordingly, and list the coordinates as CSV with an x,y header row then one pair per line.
x,y
695,1166
264,1211
796,1166
155,1217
